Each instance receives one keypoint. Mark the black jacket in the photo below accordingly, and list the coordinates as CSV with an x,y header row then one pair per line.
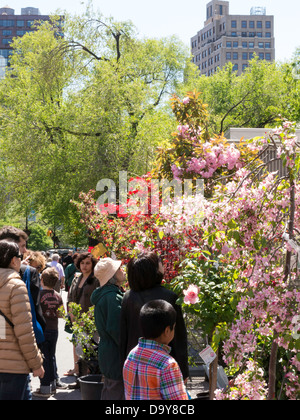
x,y
131,330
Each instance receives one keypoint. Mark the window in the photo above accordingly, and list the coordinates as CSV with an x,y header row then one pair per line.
x,y
228,44
245,66
259,24
235,44
261,56
259,34
268,56
268,34
5,53
244,34
251,24
233,34
268,45
20,23
251,34
228,56
235,67
235,56
244,24
260,45
30,23
245,44
268,24
7,23
6,41
233,24
245,56
251,56
6,32
251,44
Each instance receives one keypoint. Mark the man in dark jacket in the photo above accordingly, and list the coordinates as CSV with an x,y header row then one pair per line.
x,y
145,274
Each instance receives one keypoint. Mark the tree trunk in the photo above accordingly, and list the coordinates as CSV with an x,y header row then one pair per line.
x,y
272,372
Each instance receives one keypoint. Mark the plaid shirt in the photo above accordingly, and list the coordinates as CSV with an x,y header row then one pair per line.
x,y
150,373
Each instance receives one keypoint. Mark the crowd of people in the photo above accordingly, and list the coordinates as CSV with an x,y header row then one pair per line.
x,y
142,352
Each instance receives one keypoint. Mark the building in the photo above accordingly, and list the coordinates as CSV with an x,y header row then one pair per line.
x,y
232,38
12,26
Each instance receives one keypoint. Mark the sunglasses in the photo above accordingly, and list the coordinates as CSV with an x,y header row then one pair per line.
x,y
19,256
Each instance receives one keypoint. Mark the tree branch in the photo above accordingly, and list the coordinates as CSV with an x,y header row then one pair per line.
x,y
231,109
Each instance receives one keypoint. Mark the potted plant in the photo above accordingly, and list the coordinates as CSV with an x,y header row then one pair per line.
x,y
85,339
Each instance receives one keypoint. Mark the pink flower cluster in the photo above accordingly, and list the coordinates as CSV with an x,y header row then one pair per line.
x,y
246,221
250,385
214,158
292,388
191,295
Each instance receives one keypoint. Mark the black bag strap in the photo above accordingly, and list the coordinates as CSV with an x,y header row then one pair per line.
x,y
6,319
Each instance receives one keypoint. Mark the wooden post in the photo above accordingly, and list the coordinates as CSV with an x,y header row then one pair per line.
x,y
213,377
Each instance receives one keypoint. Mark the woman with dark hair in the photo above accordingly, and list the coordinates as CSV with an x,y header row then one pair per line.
x,y
80,292
85,282
145,274
19,353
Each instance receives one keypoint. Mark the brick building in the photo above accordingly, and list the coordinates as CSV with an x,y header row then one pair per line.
x,y
12,26
232,38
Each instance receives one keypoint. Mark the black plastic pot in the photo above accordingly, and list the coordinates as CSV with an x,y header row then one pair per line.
x,y
91,387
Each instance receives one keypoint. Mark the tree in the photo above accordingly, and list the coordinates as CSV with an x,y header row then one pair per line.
x,y
256,98
78,109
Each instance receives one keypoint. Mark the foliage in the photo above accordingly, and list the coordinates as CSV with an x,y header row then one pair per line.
x,y
264,91
83,329
248,220
215,279
93,99
194,150
38,239
117,234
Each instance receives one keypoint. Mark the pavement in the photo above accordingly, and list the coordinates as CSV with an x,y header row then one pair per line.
x,y
64,360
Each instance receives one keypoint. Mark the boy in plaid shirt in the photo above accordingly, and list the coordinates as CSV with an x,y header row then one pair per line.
x,y
150,373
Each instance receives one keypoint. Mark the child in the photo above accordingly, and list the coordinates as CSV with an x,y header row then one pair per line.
x,y
51,301
150,373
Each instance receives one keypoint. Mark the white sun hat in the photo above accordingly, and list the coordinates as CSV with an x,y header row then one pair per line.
x,y
105,269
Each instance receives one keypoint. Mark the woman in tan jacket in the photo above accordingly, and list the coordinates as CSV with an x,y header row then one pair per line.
x,y
19,354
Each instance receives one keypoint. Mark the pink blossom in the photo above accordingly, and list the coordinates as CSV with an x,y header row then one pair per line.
x,y
177,172
191,295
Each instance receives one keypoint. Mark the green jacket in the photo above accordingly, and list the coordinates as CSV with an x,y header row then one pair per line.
x,y
108,301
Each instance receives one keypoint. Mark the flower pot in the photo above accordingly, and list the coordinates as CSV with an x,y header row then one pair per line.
x,y
91,387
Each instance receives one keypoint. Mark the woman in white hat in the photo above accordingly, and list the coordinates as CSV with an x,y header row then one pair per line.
x,y
108,300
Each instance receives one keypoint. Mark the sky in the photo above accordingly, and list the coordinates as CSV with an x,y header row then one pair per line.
x,y
184,18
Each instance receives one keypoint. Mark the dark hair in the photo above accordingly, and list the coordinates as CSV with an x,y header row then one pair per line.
x,y
74,256
13,233
50,277
155,317
83,256
143,272
8,250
